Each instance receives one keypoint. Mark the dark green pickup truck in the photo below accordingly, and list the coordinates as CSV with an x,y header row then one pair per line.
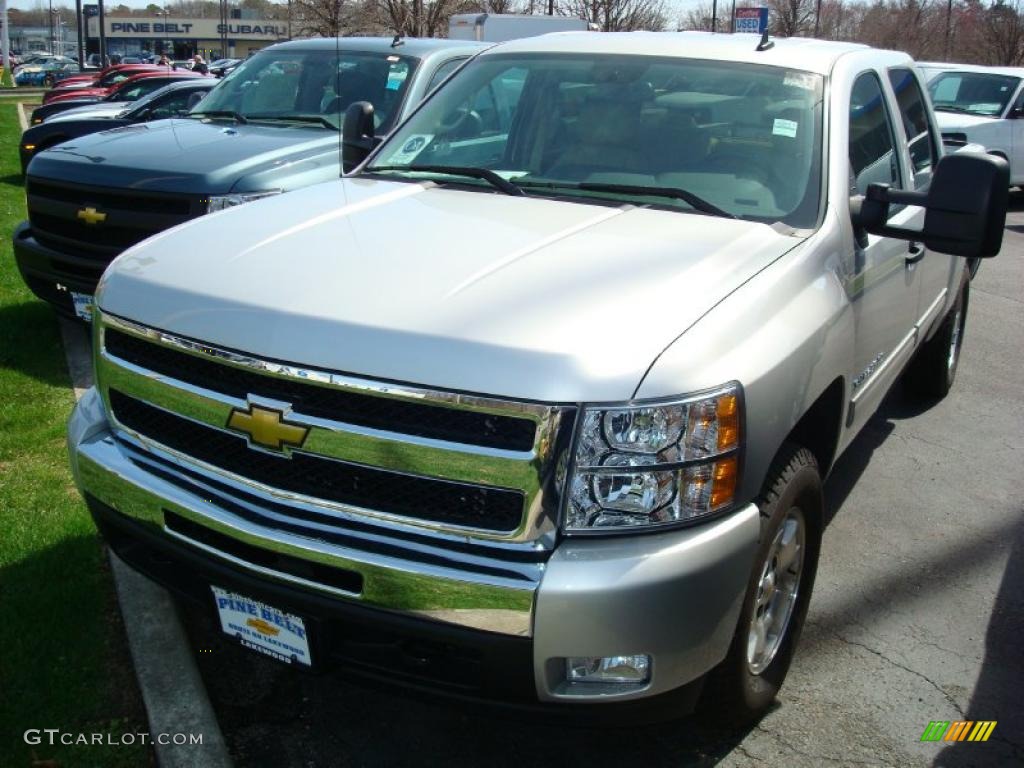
x,y
271,126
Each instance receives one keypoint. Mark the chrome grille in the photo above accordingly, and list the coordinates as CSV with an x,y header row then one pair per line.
x,y
451,464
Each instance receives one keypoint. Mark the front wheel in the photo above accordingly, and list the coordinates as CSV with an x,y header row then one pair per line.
x,y
778,593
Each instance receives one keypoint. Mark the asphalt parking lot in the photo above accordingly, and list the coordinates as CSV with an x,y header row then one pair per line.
x,y
918,612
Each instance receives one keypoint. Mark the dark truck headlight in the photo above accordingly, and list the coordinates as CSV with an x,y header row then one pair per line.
x,y
655,464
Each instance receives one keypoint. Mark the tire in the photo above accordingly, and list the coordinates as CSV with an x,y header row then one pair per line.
x,y
743,687
933,370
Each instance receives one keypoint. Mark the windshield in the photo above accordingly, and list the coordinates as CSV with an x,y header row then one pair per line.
x,y
737,139
974,93
313,87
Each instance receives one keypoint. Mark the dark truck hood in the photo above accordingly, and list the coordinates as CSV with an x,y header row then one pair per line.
x,y
195,157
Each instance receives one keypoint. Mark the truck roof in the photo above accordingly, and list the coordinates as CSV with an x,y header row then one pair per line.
x,y
793,52
417,47
951,67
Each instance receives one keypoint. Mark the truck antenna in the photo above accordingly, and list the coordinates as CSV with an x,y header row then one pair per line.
x,y
765,43
397,41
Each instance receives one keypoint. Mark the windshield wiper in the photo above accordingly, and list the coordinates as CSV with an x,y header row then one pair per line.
x,y
484,174
221,113
694,201
297,119
955,108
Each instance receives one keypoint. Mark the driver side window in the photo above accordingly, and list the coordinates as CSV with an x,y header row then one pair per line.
x,y
175,106
873,155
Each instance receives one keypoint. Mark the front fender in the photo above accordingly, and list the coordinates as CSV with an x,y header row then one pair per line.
x,y
785,335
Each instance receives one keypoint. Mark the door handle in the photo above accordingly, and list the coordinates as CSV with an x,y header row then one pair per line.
x,y
915,252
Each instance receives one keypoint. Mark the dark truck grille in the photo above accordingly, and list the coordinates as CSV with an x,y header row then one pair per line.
x,y
440,501
131,216
408,418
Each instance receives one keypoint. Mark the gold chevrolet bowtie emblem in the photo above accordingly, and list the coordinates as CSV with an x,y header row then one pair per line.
x,y
91,216
265,427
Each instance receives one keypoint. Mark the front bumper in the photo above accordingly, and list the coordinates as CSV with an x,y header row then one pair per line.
x,y
674,595
52,275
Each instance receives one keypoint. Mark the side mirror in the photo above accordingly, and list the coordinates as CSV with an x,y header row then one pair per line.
x,y
357,140
965,207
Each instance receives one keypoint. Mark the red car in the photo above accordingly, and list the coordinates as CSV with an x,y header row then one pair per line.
x,y
135,87
104,79
111,92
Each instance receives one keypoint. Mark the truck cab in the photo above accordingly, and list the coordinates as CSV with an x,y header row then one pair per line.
x,y
270,126
535,406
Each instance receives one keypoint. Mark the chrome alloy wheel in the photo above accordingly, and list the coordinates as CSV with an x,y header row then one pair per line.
x,y
776,592
954,340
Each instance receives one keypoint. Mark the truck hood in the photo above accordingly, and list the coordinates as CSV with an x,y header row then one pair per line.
x,y
98,109
522,297
188,156
954,120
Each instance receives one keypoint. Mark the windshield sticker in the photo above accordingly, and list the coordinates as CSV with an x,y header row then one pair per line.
x,y
411,149
784,128
804,80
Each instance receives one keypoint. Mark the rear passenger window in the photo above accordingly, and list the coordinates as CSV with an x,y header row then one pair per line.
x,y
873,156
916,127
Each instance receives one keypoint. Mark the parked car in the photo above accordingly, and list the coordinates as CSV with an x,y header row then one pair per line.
x,y
98,85
982,105
270,126
536,406
135,87
100,78
173,100
221,67
46,72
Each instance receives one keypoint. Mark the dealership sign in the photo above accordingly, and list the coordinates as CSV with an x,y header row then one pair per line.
x,y
751,20
192,29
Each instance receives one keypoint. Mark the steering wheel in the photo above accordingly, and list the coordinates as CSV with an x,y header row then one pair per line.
x,y
459,120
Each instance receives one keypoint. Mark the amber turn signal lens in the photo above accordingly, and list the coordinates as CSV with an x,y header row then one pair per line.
x,y
728,413
723,488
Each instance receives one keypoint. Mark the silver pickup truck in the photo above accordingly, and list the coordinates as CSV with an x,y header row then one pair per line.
x,y
535,406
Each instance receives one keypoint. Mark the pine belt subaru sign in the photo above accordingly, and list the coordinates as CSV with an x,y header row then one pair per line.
x,y
751,20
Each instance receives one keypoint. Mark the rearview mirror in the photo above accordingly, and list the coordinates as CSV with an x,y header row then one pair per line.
x,y
357,140
965,207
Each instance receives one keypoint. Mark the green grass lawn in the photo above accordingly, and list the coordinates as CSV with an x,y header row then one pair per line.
x,y
63,659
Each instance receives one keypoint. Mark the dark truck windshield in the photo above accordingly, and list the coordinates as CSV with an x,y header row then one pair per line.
x,y
711,136
312,87
973,93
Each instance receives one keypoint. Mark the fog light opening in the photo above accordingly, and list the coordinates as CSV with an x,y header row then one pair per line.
x,y
621,670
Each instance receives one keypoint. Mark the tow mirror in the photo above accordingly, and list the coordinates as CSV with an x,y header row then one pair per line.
x,y
357,139
965,207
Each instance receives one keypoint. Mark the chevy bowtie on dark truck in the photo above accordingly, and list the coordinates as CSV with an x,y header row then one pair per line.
x,y
270,126
536,404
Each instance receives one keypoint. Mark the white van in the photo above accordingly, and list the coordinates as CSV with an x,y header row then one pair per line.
x,y
499,27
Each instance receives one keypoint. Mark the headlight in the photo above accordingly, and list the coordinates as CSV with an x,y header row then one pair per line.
x,y
220,202
655,464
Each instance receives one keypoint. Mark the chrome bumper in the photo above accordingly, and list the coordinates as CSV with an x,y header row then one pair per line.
x,y
675,595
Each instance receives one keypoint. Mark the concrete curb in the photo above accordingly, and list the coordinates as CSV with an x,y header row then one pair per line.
x,y
22,117
172,689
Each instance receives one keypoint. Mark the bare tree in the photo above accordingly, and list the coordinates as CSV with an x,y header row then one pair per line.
x,y
790,18
418,18
699,18
1005,32
618,15
319,18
